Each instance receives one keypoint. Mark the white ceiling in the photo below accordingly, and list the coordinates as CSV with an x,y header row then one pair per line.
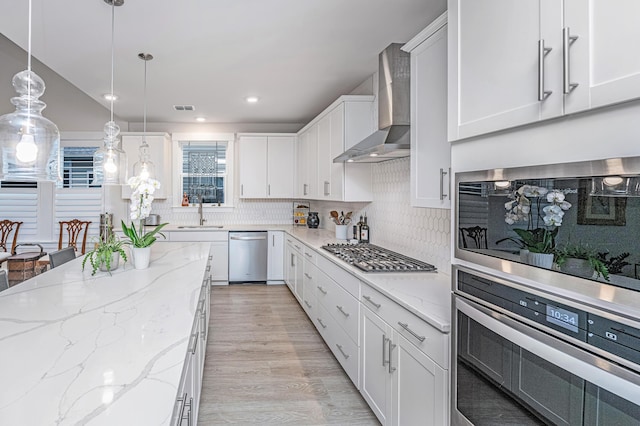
x,y
297,56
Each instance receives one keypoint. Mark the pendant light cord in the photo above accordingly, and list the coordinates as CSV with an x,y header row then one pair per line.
x,y
29,74
144,125
113,26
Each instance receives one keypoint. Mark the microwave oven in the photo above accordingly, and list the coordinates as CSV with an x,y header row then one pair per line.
x,y
553,223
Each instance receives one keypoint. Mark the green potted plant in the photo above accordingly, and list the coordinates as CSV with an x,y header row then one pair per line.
x,y
105,255
580,260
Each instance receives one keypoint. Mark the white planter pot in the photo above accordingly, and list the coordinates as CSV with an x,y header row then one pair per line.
x,y
542,260
141,257
579,267
524,256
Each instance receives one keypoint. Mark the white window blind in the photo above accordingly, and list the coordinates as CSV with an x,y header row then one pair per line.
x,y
21,205
81,204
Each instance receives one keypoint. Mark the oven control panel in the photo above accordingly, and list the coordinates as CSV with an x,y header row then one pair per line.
x,y
609,335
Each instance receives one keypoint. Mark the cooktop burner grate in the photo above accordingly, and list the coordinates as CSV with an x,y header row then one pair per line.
x,y
372,258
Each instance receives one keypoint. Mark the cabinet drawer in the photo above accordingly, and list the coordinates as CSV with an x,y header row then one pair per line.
x,y
310,254
295,244
309,283
343,348
428,339
339,275
341,305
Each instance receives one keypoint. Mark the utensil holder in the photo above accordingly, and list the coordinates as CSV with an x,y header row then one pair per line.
x,y
341,232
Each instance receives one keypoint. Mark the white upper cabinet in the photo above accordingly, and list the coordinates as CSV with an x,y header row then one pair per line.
x,y
266,165
343,124
160,156
514,63
430,149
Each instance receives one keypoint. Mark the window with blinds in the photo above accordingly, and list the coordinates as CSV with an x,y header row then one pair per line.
x,y
77,167
204,171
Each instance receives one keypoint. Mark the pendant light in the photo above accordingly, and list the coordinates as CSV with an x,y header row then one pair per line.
x,y
144,168
110,161
29,143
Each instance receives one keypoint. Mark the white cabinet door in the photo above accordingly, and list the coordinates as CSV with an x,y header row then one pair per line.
x,y
312,163
603,59
220,261
160,156
430,149
302,185
419,387
280,166
496,69
275,256
335,182
253,166
324,159
374,362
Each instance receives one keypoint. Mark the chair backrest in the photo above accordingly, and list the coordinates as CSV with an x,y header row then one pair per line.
x,y
6,226
475,235
4,281
73,230
59,257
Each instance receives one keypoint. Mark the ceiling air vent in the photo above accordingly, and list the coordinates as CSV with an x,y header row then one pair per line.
x,y
184,107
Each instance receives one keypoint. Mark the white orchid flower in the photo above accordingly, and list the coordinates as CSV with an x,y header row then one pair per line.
x,y
555,196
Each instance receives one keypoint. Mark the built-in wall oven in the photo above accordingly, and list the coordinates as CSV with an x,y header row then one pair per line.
x,y
526,357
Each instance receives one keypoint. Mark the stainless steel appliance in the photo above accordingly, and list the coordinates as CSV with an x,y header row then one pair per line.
x,y
371,258
152,220
248,257
521,356
599,211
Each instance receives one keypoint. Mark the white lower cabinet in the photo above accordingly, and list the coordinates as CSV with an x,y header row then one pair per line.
x,y
219,250
275,257
401,382
185,412
294,267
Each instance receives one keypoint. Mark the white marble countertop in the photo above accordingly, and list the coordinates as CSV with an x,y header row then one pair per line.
x,y
426,294
101,350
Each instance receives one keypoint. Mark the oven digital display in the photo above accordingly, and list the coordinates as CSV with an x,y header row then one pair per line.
x,y
562,317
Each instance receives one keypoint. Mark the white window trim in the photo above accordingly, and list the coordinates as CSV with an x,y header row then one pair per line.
x,y
176,155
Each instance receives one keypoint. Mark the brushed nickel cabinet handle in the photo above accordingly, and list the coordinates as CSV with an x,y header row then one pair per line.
x,y
307,303
321,323
308,276
195,342
241,189
442,174
326,188
384,343
346,314
368,299
322,290
342,352
567,41
542,53
391,348
411,332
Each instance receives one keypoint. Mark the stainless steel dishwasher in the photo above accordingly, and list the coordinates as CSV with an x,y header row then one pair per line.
x,y
248,257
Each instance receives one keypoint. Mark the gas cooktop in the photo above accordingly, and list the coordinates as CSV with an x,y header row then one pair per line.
x,y
371,258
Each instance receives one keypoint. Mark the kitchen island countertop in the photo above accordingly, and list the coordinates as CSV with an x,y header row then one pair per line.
x,y
99,350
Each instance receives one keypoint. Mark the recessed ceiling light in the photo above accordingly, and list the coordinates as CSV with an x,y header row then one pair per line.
x,y
201,119
252,99
373,154
108,96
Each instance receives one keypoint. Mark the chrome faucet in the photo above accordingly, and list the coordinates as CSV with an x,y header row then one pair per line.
x,y
200,210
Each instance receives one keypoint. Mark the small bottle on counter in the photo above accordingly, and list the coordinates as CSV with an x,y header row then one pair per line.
x,y
364,231
358,227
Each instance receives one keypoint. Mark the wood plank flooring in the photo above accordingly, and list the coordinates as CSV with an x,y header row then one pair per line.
x,y
266,364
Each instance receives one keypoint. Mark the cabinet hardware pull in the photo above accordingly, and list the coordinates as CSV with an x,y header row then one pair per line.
x,y
326,188
188,416
195,342
411,332
273,240
241,189
307,303
308,255
208,268
308,276
542,52
210,257
346,314
391,347
567,41
203,325
321,323
182,401
384,343
292,263
342,352
269,189
304,190
442,194
368,299
322,290
298,247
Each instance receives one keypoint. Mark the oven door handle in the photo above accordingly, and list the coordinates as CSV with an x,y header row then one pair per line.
x,y
594,369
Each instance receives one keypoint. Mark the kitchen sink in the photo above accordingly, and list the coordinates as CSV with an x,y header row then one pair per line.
x,y
200,227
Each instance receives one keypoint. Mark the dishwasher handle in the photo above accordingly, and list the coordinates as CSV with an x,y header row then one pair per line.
x,y
233,237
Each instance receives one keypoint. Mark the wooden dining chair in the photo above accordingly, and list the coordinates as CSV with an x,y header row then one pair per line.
x,y
475,235
6,227
73,228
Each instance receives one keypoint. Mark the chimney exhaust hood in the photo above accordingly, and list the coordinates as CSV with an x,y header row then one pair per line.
x,y
392,140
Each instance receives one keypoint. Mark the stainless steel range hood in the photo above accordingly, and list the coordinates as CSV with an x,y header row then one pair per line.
x,y
393,139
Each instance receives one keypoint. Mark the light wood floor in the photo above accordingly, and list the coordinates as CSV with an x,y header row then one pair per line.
x,y
266,364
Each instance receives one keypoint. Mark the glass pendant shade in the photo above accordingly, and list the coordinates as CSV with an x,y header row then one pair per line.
x,y
29,142
144,168
110,161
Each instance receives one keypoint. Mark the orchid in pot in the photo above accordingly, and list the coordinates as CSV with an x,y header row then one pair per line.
x,y
139,240
543,221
